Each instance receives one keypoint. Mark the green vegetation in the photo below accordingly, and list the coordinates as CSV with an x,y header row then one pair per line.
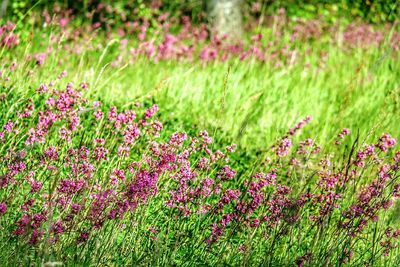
x,y
104,184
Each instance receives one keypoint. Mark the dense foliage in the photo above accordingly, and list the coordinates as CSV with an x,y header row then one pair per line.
x,y
368,10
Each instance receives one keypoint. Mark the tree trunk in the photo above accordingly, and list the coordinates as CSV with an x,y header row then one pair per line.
x,y
225,18
3,8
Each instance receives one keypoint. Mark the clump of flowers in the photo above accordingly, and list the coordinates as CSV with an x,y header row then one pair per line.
x,y
79,167
8,38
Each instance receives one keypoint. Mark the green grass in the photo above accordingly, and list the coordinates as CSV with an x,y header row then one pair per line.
x,y
252,104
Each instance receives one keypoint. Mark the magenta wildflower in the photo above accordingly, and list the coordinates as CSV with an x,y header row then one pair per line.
x,y
123,151
71,186
151,112
112,114
9,126
65,134
231,148
51,102
83,237
203,162
204,135
177,139
35,236
283,147
227,173
58,228
131,133
84,86
386,142
36,186
117,175
341,135
51,153
216,233
63,74
100,153
98,114
22,224
43,88
300,125
228,197
40,58
3,208
96,104
75,208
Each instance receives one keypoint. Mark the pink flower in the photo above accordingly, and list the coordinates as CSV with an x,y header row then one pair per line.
x,y
40,58
112,114
177,139
131,133
51,102
100,153
36,186
58,228
98,114
231,148
282,149
43,88
13,66
65,134
150,49
123,151
9,126
84,85
227,173
386,142
3,208
96,104
63,74
151,112
83,237
51,153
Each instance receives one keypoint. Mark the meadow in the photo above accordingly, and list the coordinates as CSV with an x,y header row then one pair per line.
x,y
151,143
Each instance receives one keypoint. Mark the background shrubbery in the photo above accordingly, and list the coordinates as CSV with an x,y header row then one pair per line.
x,y
367,10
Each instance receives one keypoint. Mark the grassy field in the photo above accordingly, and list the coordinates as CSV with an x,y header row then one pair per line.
x,y
252,104
279,200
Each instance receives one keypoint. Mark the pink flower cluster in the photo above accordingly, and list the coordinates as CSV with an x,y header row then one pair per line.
x,y
75,171
8,38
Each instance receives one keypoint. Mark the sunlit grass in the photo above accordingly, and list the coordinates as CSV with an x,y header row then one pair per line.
x,y
250,103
